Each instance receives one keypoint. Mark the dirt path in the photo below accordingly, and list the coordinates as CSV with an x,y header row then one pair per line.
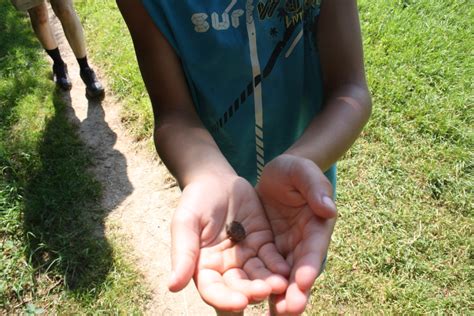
x,y
138,190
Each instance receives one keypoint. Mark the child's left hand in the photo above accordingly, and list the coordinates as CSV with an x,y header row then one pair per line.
x,y
297,199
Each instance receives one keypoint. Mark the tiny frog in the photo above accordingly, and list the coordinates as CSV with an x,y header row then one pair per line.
x,y
235,231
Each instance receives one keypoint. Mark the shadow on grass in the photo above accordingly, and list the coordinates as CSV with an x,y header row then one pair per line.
x,y
62,218
63,222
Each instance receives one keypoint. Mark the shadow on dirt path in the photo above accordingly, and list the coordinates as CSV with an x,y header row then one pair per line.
x,y
63,215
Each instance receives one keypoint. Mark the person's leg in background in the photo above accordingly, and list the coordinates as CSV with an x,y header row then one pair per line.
x,y
40,23
64,10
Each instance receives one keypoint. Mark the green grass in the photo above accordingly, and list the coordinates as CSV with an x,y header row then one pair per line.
x,y
404,240
54,255
119,64
403,243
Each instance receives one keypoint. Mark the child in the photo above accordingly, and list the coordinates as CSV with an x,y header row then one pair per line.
x,y
64,10
251,92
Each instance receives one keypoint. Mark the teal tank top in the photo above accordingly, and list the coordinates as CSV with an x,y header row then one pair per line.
x,y
253,71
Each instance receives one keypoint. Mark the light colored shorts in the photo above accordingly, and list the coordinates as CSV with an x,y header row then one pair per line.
x,y
24,5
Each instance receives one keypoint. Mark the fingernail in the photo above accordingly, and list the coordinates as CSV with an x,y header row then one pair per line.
x,y
329,203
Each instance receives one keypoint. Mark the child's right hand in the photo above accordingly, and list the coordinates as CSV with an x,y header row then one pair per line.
x,y
228,275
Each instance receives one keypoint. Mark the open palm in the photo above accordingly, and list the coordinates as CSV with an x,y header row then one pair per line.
x,y
229,275
296,197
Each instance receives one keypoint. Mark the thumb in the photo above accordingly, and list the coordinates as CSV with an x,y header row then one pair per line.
x,y
315,187
185,232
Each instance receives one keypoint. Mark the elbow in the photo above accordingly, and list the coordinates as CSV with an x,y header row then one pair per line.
x,y
357,96
360,93
161,132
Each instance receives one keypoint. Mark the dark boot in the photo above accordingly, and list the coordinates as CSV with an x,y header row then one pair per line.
x,y
94,89
61,77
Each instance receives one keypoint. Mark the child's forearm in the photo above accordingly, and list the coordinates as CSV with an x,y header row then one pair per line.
x,y
333,132
187,148
347,107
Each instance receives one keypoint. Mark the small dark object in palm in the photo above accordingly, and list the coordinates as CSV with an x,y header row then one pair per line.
x,y
235,231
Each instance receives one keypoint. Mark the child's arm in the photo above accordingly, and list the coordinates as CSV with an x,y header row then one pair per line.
x,y
348,106
184,145
213,194
296,196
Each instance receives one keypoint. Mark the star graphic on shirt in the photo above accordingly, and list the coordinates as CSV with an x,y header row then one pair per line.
x,y
273,32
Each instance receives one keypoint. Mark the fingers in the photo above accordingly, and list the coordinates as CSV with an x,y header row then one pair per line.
x,y
214,291
237,288
308,259
293,302
256,270
303,276
185,232
277,305
274,260
255,290
314,186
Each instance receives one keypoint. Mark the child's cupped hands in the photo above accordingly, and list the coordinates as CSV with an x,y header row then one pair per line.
x,y
288,221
